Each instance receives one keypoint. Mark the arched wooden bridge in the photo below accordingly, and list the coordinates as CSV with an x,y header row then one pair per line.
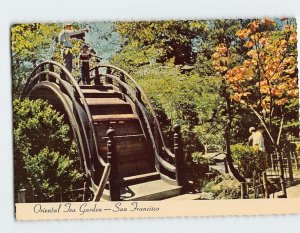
x,y
119,139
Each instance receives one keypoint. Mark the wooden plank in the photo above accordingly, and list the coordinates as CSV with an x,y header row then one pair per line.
x,y
135,168
126,150
110,109
130,126
115,117
105,101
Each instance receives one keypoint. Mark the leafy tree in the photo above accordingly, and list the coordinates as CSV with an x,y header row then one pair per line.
x,y
31,44
148,55
226,114
172,39
45,156
266,81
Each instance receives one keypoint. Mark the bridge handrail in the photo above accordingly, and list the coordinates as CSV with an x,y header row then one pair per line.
x,y
78,90
76,87
55,75
140,89
163,162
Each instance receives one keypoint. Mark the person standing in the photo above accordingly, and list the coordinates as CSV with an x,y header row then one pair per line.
x,y
85,64
259,147
252,132
258,139
65,41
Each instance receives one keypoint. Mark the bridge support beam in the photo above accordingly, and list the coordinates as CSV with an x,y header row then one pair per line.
x,y
108,80
112,157
121,88
179,156
244,193
282,181
97,79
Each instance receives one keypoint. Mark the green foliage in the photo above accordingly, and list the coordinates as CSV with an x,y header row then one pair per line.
x,y
198,170
226,112
51,172
172,39
224,187
248,159
31,44
43,144
199,164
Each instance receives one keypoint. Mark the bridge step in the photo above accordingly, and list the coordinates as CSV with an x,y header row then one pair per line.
x,y
133,155
131,145
94,93
130,126
133,168
147,191
109,109
114,117
105,101
97,87
131,180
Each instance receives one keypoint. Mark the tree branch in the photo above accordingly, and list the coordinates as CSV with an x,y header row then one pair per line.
x,y
263,123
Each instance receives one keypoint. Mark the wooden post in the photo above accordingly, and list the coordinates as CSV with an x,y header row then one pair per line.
x,y
296,161
179,157
244,190
266,185
121,88
51,69
42,76
60,195
84,192
254,184
108,71
281,176
290,166
97,79
112,157
62,75
260,185
226,166
272,161
33,195
22,196
138,95
139,98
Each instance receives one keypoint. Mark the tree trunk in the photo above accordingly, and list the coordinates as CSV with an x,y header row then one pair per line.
x,y
229,159
227,135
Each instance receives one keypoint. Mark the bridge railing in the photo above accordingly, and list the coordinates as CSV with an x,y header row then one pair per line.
x,y
165,159
56,73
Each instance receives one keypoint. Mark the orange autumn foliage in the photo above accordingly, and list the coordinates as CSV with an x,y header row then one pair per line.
x,y
267,77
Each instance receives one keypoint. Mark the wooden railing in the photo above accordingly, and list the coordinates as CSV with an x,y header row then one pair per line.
x,y
54,72
166,161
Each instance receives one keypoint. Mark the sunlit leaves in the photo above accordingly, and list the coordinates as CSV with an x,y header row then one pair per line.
x,y
271,65
267,78
30,44
171,38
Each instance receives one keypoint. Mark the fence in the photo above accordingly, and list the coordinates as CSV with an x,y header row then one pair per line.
x,y
38,195
265,184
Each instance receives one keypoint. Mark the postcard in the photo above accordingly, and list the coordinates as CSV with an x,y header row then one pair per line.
x,y
166,118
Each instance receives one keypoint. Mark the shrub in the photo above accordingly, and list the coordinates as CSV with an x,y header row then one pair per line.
x,y
45,156
223,187
198,169
51,173
248,159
